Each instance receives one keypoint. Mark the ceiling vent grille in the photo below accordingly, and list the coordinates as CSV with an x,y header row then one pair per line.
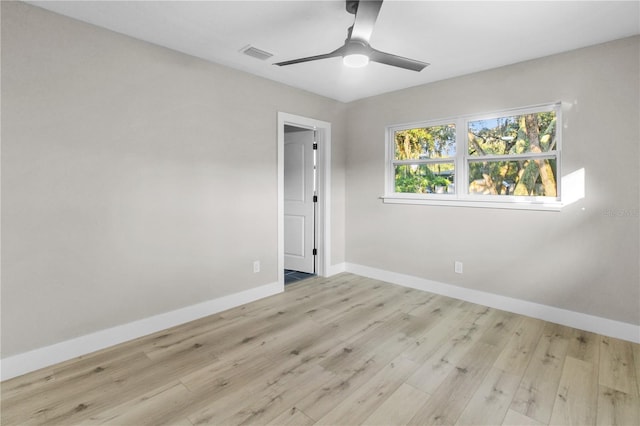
x,y
256,53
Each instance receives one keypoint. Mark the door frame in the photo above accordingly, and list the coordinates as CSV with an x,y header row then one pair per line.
x,y
323,180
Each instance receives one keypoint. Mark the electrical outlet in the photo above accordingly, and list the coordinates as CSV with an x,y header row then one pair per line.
x,y
256,266
458,267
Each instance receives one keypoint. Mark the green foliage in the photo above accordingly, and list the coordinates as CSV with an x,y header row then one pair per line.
x,y
420,144
411,183
425,142
422,179
503,136
509,136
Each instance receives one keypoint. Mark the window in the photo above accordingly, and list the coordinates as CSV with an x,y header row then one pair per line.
x,y
424,159
504,159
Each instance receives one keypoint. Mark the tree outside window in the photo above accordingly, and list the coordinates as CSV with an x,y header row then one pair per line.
x,y
424,159
505,157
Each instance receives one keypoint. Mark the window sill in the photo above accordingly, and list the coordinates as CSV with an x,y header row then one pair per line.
x,y
554,206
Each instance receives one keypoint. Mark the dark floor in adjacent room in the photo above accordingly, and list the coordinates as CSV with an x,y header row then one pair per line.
x,y
291,276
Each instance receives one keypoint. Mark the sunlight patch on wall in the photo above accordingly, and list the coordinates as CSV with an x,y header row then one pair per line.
x,y
573,187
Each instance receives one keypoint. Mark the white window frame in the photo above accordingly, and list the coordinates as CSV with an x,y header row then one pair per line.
x,y
462,197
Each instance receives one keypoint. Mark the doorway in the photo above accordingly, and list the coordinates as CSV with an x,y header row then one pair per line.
x,y
300,199
303,196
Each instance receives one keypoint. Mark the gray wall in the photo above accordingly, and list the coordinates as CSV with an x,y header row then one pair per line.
x,y
135,180
583,258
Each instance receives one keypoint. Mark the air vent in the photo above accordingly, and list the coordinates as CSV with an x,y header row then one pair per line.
x,y
256,53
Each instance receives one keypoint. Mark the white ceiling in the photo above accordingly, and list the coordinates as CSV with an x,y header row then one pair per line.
x,y
455,37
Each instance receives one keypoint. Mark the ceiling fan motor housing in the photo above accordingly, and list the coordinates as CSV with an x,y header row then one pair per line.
x,y
357,47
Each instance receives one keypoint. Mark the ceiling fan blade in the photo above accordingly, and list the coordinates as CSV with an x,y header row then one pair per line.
x,y
366,16
397,61
337,52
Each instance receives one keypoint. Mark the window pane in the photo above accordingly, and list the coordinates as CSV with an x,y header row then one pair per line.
x,y
515,134
425,142
525,178
425,178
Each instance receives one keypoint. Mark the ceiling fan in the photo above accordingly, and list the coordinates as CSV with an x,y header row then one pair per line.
x,y
356,51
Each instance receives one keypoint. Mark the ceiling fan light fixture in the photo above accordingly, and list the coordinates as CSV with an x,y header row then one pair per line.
x,y
355,60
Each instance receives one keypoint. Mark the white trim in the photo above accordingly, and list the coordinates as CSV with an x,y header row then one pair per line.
x,y
604,326
336,269
324,189
36,359
552,206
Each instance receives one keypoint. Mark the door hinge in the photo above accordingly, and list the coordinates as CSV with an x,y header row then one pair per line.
x,y
315,146
315,252
315,198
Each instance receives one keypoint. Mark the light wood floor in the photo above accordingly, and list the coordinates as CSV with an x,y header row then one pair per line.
x,y
343,351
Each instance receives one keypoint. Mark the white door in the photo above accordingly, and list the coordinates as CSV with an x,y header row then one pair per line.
x,y
299,189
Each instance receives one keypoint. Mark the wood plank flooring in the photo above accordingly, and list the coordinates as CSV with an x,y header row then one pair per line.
x,y
345,350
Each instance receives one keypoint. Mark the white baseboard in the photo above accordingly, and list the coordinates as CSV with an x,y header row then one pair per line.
x,y
335,269
36,359
23,363
604,326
